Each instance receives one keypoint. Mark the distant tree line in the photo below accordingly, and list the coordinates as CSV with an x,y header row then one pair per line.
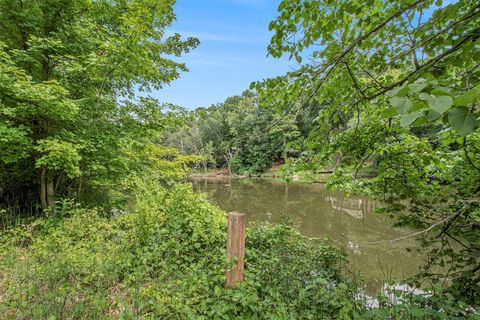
x,y
242,135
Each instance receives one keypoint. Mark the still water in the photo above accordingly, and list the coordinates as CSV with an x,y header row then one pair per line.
x,y
349,221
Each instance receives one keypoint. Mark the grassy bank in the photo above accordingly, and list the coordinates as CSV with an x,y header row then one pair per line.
x,y
304,176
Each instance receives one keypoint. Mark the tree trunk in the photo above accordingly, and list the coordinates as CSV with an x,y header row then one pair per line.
x,y
80,185
51,195
42,188
46,190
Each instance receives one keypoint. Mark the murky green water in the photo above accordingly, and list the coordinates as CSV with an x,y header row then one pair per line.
x,y
316,212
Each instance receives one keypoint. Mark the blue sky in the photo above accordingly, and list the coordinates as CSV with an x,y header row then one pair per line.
x,y
233,50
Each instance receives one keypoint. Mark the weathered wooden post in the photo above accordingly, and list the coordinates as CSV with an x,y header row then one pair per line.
x,y
235,248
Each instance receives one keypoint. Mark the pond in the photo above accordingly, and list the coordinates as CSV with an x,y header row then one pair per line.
x,y
349,221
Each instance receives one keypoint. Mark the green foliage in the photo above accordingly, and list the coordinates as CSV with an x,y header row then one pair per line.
x,y
387,87
69,120
397,90
240,134
417,107
165,257
58,156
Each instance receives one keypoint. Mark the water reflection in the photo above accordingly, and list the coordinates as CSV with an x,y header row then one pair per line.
x,y
316,212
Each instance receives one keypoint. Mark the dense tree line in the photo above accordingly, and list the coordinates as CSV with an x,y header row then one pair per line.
x,y
243,135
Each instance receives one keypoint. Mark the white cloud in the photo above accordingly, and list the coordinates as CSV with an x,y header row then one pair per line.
x,y
207,36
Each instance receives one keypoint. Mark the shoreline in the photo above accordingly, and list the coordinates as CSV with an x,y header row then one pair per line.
x,y
301,177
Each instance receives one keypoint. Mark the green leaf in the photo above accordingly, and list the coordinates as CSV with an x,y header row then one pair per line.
x,y
389,113
419,121
471,96
271,25
417,105
399,91
418,86
440,104
462,120
401,104
407,119
440,91
433,115
393,92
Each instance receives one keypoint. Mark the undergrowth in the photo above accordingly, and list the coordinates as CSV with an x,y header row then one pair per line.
x,y
164,258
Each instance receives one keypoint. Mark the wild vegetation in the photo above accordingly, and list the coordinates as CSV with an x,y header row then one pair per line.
x,y
164,258
399,81
96,225
391,87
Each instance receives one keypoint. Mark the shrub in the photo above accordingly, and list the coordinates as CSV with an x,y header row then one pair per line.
x,y
165,258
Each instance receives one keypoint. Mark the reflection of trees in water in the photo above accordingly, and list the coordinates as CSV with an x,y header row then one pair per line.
x,y
357,208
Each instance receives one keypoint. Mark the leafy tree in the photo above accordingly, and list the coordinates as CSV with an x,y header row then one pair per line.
x,y
396,83
69,71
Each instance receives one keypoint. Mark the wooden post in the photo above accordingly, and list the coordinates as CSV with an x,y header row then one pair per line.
x,y
235,248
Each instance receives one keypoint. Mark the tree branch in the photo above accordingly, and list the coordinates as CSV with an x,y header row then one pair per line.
x,y
465,150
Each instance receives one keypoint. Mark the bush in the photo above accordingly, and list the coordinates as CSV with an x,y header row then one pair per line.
x,y
164,258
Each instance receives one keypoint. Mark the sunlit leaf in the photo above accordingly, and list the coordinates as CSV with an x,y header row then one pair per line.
x,y
401,104
438,103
